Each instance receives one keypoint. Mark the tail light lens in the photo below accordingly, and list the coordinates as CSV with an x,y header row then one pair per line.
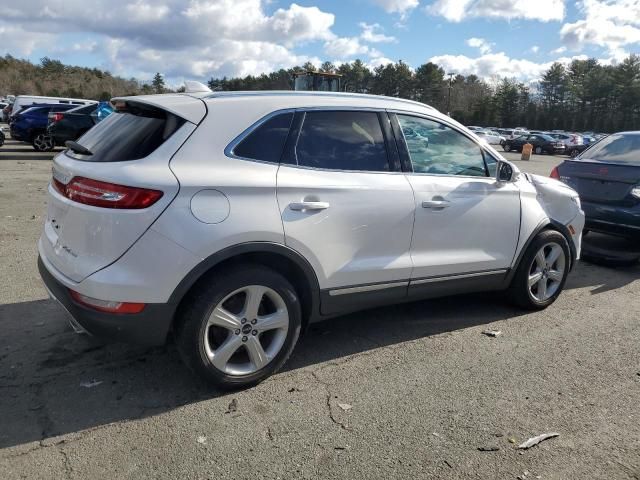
x,y
106,195
106,306
555,174
56,117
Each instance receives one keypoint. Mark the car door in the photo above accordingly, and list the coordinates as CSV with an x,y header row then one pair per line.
x,y
467,223
346,206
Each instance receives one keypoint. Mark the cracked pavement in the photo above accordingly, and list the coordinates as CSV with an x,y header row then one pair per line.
x,y
427,388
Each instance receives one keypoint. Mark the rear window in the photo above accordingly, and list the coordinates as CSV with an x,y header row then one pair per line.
x,y
128,134
616,148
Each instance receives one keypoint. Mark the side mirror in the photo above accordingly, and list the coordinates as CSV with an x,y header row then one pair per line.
x,y
504,172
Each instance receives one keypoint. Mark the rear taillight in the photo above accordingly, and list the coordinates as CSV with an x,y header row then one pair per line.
x,y
56,117
555,174
106,306
107,195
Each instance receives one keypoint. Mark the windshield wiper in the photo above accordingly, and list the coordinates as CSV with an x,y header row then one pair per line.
x,y
76,147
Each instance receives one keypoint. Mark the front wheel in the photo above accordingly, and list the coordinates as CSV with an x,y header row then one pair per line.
x,y
43,142
542,272
574,153
240,326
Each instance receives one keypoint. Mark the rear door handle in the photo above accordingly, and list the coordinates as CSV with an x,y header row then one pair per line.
x,y
308,206
435,204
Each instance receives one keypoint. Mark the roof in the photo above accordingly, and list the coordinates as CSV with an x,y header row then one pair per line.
x,y
338,96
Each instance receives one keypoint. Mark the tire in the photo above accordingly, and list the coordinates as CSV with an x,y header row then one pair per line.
x,y
574,153
43,142
506,147
538,151
199,343
538,297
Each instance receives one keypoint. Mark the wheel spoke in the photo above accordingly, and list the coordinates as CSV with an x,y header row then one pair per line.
x,y
555,275
252,301
223,318
224,352
542,289
534,278
256,352
554,254
276,320
540,259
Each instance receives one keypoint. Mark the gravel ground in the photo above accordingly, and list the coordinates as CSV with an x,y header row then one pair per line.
x,y
427,389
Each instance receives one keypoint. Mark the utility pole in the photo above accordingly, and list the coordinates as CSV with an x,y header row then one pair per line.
x,y
449,98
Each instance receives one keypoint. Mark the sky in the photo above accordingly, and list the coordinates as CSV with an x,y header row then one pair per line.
x,y
200,39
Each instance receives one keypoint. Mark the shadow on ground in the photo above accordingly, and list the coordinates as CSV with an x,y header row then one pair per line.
x,y
43,365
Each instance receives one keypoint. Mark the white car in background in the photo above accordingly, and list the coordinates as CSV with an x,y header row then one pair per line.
x,y
492,138
569,139
231,220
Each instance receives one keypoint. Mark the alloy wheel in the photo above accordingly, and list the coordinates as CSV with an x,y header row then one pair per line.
x,y
43,143
546,272
246,330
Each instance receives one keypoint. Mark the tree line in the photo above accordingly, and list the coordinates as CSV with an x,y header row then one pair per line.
x,y
582,96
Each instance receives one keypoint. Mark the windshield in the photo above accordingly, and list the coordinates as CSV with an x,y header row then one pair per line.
x,y
616,148
548,138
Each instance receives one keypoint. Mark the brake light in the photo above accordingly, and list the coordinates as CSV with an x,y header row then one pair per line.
x,y
107,195
56,117
106,306
555,174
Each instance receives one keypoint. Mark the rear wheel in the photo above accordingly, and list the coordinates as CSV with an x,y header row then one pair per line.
x,y
542,272
239,327
573,153
43,142
538,150
506,147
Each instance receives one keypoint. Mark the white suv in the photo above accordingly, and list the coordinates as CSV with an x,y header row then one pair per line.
x,y
232,220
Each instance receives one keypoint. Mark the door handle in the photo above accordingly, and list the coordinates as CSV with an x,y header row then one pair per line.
x,y
435,204
308,206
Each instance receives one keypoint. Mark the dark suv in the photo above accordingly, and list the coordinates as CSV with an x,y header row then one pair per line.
x,y
74,123
30,125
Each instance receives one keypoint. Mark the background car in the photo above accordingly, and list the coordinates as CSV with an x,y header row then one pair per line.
x,y
541,144
74,123
607,178
492,138
30,125
568,139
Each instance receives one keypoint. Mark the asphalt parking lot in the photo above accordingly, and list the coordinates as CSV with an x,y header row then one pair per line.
x,y
412,391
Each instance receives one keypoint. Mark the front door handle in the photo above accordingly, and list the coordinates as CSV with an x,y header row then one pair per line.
x,y
435,204
308,206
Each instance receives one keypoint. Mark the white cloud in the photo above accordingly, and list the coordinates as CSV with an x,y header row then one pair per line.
x,y
611,24
559,50
481,44
175,37
371,33
397,6
497,65
458,10
348,47
535,49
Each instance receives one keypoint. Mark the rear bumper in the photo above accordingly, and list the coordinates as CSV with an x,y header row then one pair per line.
x,y
612,219
149,327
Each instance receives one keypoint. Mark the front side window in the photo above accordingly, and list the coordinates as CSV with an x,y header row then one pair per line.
x,y
438,149
342,140
267,140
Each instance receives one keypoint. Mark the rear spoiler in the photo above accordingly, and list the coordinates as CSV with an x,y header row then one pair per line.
x,y
184,106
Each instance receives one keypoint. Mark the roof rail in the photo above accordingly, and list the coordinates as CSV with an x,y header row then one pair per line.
x,y
258,93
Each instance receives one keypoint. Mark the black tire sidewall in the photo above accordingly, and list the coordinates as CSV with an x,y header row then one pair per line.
x,y
192,324
520,284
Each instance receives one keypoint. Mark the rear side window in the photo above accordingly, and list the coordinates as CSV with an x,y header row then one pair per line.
x,y
129,134
342,140
267,140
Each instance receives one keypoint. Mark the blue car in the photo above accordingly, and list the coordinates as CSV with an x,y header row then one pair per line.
x,y
30,125
607,178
